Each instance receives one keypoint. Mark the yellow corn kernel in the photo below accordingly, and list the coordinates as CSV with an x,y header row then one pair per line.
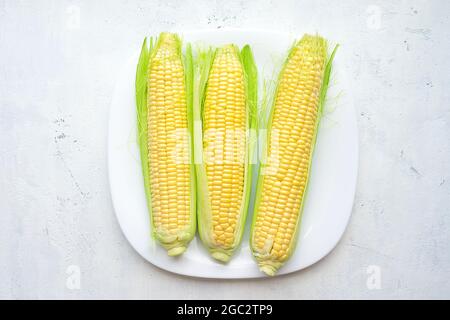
x,y
167,123
294,119
224,139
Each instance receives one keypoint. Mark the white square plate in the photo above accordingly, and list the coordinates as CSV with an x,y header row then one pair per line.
x,y
330,192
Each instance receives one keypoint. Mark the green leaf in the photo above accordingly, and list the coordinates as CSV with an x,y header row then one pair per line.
x,y
141,110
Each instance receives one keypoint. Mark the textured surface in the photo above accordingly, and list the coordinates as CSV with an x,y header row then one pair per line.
x,y
225,121
167,129
293,129
58,233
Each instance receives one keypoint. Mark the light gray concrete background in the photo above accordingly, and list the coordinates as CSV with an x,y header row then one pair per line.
x,y
58,64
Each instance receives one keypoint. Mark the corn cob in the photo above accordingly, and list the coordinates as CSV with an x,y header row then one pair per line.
x,y
292,131
164,124
226,104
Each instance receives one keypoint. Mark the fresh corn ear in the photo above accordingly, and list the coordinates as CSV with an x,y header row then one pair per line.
x,y
291,135
225,97
164,110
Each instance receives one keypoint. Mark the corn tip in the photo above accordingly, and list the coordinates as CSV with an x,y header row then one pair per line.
x,y
176,251
221,256
268,269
